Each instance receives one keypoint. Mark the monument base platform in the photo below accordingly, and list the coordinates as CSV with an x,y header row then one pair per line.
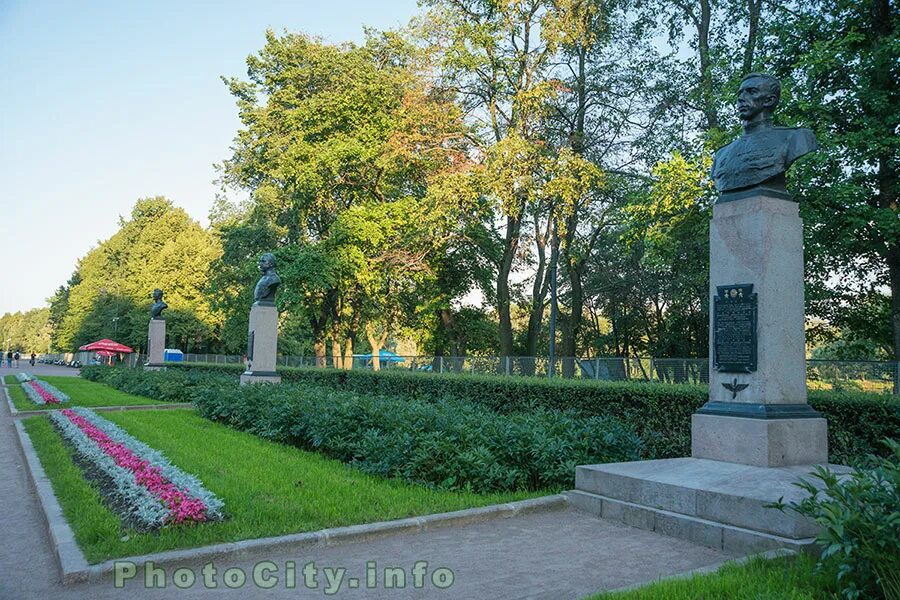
x,y
760,442
258,377
152,367
716,504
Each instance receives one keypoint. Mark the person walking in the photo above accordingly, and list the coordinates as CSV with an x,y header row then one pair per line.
x,y
16,357
33,357
9,359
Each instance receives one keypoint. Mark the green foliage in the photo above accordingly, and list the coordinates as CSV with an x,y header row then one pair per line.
x,y
110,294
841,59
26,332
785,578
444,443
337,148
859,517
659,413
269,489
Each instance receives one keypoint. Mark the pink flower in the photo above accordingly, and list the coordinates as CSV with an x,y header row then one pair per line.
x,y
47,396
181,506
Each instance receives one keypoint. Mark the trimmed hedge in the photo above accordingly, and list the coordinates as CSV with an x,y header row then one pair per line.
x,y
660,413
450,444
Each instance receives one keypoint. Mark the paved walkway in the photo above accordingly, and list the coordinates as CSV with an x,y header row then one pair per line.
x,y
561,554
38,369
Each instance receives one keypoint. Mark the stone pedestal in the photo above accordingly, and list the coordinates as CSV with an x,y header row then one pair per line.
x,y
722,505
757,435
262,345
761,417
156,345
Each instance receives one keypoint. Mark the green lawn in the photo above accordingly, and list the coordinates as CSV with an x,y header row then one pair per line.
x,y
268,489
788,578
81,392
10,380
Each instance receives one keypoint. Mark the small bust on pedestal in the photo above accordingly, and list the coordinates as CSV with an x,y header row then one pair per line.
x,y
262,337
156,335
264,293
755,163
158,305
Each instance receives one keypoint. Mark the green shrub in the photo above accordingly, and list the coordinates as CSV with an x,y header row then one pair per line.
x,y
660,413
859,517
159,385
447,444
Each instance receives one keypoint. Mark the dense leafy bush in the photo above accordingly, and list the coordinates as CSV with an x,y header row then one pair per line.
x,y
860,525
660,413
446,444
166,386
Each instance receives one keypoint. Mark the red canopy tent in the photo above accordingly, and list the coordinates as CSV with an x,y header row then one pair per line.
x,y
105,353
107,345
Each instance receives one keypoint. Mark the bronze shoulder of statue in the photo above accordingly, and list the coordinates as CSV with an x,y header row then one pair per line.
x,y
264,293
158,305
756,162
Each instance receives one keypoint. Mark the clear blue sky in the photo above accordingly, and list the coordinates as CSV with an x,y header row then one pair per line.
x,y
102,103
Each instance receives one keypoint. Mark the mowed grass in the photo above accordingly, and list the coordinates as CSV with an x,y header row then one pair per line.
x,y
268,488
81,392
786,578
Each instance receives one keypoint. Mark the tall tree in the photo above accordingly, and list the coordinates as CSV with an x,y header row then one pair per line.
x,y
328,130
840,62
158,246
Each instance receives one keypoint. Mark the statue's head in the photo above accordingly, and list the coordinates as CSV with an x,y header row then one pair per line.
x,y
758,94
157,295
266,262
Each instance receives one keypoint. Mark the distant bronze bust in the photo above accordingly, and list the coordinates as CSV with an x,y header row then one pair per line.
x,y
264,294
158,304
755,163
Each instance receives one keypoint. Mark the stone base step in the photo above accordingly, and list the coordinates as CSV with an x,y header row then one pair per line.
x,y
714,503
738,541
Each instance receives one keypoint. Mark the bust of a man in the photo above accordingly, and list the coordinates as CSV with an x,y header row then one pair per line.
x,y
264,294
158,305
755,163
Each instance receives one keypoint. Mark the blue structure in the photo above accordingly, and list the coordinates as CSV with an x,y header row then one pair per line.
x,y
386,356
170,355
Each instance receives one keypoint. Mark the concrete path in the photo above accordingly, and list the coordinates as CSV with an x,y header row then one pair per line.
x,y
561,554
38,369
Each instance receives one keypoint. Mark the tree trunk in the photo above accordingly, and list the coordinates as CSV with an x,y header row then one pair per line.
x,y
706,80
336,355
573,323
511,244
538,290
376,342
754,7
319,350
348,353
317,325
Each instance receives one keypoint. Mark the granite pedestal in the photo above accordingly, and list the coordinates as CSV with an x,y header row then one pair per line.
x,y
156,345
262,345
758,240
757,435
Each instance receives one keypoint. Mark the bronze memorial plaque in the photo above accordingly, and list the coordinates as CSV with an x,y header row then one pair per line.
x,y
734,329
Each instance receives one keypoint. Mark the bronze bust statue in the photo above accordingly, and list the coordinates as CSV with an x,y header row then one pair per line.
x,y
264,294
755,163
158,304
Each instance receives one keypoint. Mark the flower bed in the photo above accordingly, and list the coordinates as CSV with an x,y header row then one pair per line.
x,y
148,488
23,377
41,392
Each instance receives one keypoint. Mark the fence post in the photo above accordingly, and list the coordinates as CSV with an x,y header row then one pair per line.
x,y
508,365
440,364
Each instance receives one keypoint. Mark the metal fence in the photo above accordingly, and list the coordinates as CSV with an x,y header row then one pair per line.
x,y
868,376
